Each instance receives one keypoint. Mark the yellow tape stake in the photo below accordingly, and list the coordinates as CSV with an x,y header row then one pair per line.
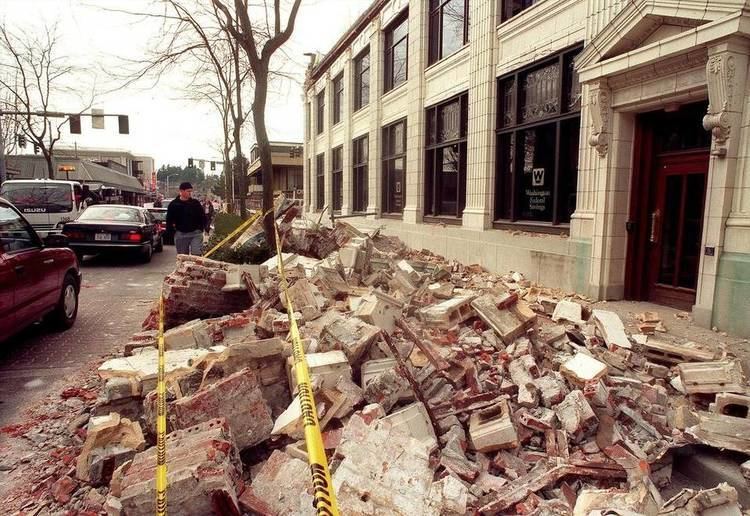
x,y
161,422
324,495
240,228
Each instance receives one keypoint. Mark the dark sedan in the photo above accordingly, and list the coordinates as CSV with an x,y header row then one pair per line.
x,y
167,234
112,228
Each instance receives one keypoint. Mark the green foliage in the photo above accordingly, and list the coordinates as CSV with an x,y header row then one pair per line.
x,y
224,224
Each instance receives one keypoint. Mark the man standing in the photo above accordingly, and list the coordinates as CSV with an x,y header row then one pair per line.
x,y
186,216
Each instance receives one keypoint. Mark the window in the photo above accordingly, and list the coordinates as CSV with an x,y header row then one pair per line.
x,y
394,165
320,181
321,105
539,117
449,27
362,79
360,153
445,181
337,162
15,234
396,47
338,98
513,7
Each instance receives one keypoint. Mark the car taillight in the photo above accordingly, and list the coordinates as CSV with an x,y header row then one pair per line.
x,y
74,235
132,236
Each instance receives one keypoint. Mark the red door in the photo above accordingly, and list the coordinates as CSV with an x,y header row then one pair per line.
x,y
675,228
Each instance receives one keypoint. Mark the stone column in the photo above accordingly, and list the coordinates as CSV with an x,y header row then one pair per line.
x,y
311,152
328,173
375,135
480,162
346,180
415,122
726,71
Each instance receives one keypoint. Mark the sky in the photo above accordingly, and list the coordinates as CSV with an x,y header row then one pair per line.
x,y
163,123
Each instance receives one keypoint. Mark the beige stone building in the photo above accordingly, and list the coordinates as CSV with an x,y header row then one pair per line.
x,y
595,145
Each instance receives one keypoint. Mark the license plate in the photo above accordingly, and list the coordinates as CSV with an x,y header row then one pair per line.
x,y
103,236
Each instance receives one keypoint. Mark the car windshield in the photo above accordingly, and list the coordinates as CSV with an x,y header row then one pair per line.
x,y
114,213
159,215
39,198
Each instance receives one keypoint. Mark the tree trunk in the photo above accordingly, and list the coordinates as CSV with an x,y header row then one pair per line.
x,y
50,167
266,165
228,193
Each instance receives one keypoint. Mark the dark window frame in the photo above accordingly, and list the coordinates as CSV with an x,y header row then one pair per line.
x,y
390,156
511,8
360,174
389,80
360,99
338,98
320,181
434,146
508,132
337,178
435,30
320,109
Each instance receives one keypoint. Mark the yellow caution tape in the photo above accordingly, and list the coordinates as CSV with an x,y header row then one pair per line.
x,y
231,235
161,422
324,495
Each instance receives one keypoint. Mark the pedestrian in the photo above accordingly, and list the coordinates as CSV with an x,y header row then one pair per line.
x,y
185,215
208,210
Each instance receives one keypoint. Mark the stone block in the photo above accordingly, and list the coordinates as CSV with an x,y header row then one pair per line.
x,y
451,495
729,404
204,474
510,322
722,431
668,353
386,388
570,311
552,389
325,368
448,313
575,415
582,369
492,429
110,442
712,377
414,420
120,388
192,334
611,328
350,335
238,399
303,295
379,310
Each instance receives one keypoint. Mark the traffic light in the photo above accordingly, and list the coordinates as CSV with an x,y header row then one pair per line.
x,y
22,141
123,122
190,162
36,148
75,124
213,165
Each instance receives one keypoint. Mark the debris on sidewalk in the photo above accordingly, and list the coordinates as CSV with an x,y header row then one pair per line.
x,y
440,388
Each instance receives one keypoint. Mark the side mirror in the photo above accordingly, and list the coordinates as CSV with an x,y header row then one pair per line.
x,y
55,240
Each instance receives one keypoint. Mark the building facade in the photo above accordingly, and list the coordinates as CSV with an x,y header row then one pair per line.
x,y
595,145
286,158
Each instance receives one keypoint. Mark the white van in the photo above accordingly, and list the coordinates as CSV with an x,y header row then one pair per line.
x,y
46,203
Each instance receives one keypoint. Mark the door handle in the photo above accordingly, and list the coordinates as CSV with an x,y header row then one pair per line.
x,y
49,260
654,234
19,269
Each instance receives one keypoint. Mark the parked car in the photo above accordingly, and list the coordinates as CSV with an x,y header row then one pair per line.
x,y
167,234
114,228
46,203
39,278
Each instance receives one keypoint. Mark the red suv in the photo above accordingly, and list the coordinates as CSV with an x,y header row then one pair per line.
x,y
38,278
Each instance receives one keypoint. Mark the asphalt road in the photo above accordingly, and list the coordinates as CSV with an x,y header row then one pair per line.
x,y
115,298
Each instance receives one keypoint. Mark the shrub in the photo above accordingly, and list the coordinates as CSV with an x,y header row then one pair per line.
x,y
224,224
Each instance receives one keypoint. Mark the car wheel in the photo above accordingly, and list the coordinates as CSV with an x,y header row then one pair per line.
x,y
66,311
159,245
146,253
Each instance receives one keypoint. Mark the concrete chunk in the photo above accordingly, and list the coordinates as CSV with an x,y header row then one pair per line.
x,y
509,323
492,428
611,327
583,368
380,310
414,420
570,311
325,368
712,377
110,442
575,415
351,335
283,484
448,313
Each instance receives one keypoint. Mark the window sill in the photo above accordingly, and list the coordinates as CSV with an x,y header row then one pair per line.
x,y
395,89
533,227
442,219
448,61
393,216
336,124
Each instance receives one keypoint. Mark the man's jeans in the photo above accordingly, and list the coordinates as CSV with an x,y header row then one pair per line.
x,y
189,243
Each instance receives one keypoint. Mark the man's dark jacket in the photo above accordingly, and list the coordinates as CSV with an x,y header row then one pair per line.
x,y
186,216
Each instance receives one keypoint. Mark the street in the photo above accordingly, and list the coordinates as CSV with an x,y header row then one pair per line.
x,y
115,297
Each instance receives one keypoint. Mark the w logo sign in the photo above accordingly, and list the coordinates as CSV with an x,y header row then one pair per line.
x,y
537,177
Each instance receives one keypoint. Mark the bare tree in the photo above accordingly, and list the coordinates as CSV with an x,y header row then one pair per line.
x,y
260,40
41,80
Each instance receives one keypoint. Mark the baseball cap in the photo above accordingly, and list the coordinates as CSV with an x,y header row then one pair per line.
x,y
186,186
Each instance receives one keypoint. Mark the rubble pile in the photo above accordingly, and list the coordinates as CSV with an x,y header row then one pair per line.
x,y
441,388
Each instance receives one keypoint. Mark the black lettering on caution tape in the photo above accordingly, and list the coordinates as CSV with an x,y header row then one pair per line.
x,y
322,497
305,400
